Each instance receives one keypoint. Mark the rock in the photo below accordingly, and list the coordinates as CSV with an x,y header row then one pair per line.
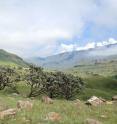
x,y
92,121
77,101
24,105
47,100
103,116
114,98
109,102
8,112
53,116
102,99
94,101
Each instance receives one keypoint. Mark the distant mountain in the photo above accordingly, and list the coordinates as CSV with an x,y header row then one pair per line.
x,y
77,58
11,59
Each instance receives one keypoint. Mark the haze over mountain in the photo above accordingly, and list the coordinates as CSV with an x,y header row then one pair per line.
x,y
105,53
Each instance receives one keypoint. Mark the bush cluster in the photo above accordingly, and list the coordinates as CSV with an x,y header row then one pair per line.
x,y
53,84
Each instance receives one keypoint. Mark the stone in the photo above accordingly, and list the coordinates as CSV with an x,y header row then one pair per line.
x,y
94,101
114,98
53,116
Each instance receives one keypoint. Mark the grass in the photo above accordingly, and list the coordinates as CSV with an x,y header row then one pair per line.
x,y
5,63
97,85
105,68
71,113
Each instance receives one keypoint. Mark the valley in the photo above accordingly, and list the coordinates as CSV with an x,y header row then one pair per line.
x,y
99,77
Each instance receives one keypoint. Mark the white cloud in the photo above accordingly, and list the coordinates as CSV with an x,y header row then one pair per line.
x,y
66,48
31,28
27,24
103,43
90,45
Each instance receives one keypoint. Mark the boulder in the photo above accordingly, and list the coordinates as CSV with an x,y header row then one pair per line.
x,y
95,101
109,102
114,98
24,105
53,116
47,100
8,112
92,121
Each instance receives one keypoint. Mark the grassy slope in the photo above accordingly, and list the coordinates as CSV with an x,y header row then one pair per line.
x,y
105,68
11,59
98,78
11,64
71,113
99,86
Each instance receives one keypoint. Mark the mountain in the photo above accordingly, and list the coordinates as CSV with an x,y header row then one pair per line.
x,y
11,59
67,60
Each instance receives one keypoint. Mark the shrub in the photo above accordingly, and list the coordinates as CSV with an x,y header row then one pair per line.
x,y
63,85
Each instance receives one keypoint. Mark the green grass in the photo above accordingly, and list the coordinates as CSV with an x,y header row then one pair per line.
x,y
97,85
7,58
108,68
3,63
71,113
100,86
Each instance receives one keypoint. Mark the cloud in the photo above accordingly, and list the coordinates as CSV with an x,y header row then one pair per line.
x,y
26,25
90,45
66,48
105,14
104,43
37,28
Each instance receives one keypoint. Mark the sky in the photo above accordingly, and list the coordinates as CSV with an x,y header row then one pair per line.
x,y
31,28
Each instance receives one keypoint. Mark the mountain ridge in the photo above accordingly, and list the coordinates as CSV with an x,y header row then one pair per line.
x,y
70,59
7,58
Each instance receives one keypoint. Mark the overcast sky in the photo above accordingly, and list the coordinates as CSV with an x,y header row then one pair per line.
x,y
46,27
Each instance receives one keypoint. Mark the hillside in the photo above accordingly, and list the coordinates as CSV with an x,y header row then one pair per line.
x,y
11,59
88,57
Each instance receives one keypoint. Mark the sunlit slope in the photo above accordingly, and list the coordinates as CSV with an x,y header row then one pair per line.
x,y
11,59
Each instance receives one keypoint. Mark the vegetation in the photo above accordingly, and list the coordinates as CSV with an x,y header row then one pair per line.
x,y
61,86
7,59
8,78
53,84
36,78
71,113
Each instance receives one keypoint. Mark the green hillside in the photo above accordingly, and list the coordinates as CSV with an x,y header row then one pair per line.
x,y
107,68
97,85
11,59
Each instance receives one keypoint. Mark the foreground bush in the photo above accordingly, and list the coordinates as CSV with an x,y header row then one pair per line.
x,y
53,84
8,78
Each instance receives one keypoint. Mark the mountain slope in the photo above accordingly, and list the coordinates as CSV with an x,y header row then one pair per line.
x,y
10,59
77,58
